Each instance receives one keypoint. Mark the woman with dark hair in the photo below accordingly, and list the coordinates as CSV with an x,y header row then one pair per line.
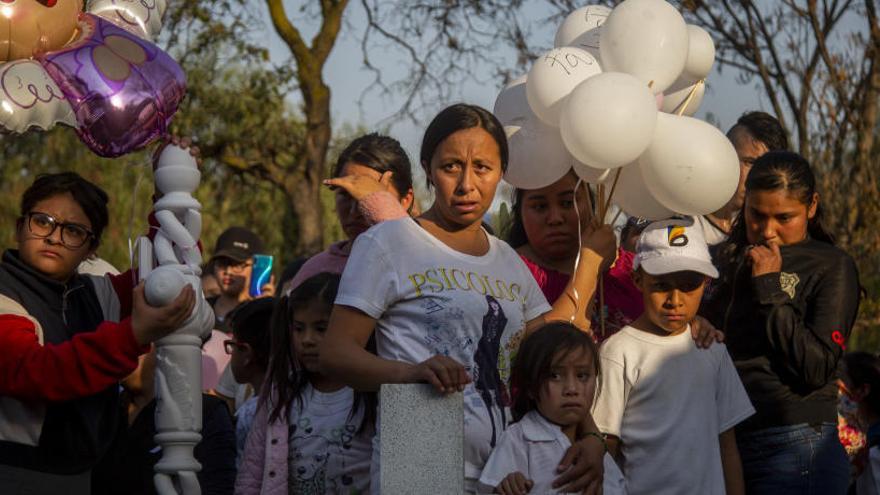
x,y
372,180
787,300
421,284
67,339
544,231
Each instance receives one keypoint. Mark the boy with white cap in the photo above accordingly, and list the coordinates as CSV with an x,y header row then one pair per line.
x,y
668,407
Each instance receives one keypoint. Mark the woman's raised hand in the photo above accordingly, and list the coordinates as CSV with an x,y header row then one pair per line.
x,y
361,186
602,242
765,259
444,373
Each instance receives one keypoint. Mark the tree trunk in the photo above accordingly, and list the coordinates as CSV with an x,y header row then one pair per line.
x,y
306,199
303,195
310,60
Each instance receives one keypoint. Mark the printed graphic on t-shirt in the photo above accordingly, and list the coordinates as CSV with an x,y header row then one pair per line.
x,y
313,454
438,280
429,300
487,378
484,359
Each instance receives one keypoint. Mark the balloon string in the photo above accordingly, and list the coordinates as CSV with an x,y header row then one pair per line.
x,y
690,97
619,211
575,297
605,205
611,194
589,205
602,305
134,202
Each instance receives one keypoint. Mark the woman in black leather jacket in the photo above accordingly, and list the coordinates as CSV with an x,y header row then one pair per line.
x,y
787,301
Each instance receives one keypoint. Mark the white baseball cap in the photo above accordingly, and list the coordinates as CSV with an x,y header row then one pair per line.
x,y
673,245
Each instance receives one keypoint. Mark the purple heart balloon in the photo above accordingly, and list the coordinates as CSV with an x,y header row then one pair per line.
x,y
124,90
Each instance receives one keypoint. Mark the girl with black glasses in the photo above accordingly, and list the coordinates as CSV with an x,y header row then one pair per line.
x,y
66,339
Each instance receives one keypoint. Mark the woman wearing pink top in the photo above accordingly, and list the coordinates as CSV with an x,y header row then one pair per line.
x,y
545,234
373,182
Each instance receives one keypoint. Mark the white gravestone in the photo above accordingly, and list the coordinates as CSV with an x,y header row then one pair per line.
x,y
422,440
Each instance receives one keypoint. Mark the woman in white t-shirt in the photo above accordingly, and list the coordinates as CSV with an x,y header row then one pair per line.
x,y
450,303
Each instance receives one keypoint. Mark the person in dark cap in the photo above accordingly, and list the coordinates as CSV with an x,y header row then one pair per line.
x,y
233,260
232,263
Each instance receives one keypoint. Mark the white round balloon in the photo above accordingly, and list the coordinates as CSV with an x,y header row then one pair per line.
x,y
645,38
701,54
678,93
538,157
634,198
592,175
553,76
691,167
582,27
511,106
608,120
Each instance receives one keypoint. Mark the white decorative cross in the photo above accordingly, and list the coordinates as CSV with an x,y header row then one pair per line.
x,y
167,263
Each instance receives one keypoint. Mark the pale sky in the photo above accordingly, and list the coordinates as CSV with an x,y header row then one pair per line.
x,y
725,98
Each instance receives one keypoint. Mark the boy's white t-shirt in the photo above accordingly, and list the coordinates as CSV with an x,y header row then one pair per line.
x,y
534,447
429,299
327,453
668,401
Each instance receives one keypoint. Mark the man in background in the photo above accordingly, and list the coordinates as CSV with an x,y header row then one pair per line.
x,y
754,134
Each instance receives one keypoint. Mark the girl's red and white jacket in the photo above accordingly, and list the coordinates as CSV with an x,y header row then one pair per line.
x,y
63,350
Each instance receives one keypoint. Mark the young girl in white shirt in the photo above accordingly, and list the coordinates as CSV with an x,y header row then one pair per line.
x,y
554,381
312,434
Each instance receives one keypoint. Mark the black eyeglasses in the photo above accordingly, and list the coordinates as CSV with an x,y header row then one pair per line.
x,y
73,235
231,265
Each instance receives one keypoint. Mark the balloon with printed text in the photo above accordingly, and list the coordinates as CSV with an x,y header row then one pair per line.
x,y
552,78
96,71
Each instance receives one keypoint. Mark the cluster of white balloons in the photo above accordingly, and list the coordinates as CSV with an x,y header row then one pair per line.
x,y
618,92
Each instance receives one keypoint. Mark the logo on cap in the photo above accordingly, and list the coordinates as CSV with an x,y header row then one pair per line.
x,y
242,245
676,236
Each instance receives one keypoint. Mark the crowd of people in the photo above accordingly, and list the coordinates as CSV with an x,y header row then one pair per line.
x,y
714,363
